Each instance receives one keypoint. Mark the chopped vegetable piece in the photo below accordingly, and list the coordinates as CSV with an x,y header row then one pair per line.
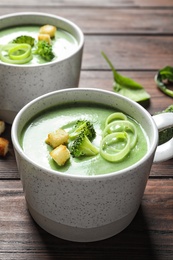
x,y
126,86
115,116
122,126
19,52
25,39
44,49
115,146
16,53
83,125
164,79
82,146
119,137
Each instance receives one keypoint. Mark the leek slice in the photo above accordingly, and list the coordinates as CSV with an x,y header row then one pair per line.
x,y
122,126
16,53
115,116
115,146
119,137
19,52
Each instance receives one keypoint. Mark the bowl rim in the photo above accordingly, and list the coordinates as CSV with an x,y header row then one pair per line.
x,y
128,170
48,15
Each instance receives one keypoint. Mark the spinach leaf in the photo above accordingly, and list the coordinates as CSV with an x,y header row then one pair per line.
x,y
163,80
126,86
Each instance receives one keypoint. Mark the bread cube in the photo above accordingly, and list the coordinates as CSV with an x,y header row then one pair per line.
x,y
4,145
60,154
48,29
2,127
56,138
44,37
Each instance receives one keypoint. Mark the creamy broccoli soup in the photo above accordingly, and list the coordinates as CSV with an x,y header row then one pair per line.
x,y
63,44
36,131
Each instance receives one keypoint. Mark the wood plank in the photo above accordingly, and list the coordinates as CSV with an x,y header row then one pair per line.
x,y
85,3
128,52
21,238
110,21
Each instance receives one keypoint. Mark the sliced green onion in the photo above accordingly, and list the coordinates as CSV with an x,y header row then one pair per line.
x,y
122,126
16,53
115,116
110,146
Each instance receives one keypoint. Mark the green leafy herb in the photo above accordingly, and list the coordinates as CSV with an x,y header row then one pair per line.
x,y
164,80
126,86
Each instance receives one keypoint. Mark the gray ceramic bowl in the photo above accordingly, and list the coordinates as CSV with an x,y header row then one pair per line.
x,y
87,208
22,83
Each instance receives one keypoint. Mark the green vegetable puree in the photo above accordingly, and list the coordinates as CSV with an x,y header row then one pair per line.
x,y
36,131
63,44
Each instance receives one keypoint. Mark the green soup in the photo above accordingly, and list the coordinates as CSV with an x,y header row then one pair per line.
x,y
35,132
63,45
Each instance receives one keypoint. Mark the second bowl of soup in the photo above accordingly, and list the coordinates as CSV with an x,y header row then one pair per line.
x,y
37,70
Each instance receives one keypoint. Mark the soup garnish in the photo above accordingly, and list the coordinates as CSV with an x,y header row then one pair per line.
x,y
23,47
119,137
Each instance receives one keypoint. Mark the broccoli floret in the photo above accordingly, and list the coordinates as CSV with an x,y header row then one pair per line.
x,y
44,49
25,39
82,146
85,126
166,134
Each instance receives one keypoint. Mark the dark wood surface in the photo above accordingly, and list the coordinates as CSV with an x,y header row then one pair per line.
x,y
138,36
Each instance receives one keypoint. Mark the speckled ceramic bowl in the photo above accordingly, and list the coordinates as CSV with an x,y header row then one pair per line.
x,y
22,83
87,208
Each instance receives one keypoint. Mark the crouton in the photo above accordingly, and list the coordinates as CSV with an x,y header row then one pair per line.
x,y
48,29
60,154
44,37
56,138
4,145
2,127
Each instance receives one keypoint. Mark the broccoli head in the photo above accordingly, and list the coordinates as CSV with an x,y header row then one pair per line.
x,y
83,126
82,146
166,134
44,49
24,39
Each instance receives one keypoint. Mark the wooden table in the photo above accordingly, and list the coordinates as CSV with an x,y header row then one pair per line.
x,y
138,36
